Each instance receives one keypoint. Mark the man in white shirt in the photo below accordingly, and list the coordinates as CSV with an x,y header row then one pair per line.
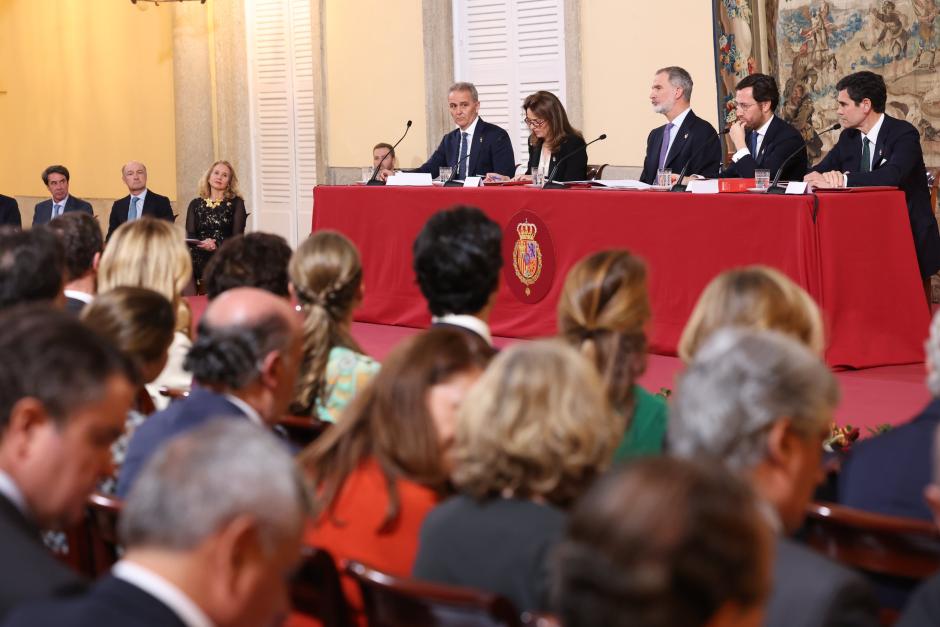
x,y
82,243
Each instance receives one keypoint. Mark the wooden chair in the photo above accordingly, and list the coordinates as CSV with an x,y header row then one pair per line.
x,y
93,543
301,430
595,172
174,394
316,591
393,602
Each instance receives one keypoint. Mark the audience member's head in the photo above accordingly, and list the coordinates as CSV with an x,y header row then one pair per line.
x,y
404,420
664,542
538,427
603,311
757,297
251,260
220,178
56,179
64,394
223,499
248,345
134,175
32,267
140,322
457,260
326,279
149,253
81,239
761,403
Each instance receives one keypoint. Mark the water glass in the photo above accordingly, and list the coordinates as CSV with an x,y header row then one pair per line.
x,y
444,173
538,178
762,179
664,177
367,174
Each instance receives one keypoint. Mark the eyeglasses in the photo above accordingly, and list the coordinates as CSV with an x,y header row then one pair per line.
x,y
744,106
534,123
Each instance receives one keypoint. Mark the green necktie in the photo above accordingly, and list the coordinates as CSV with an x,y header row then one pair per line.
x,y
866,155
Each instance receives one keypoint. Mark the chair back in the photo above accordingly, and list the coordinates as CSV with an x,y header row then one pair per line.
x,y
93,543
393,602
595,172
316,591
300,430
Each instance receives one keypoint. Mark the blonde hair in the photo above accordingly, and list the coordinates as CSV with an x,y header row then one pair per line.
x,y
230,192
757,297
149,253
326,274
538,426
602,312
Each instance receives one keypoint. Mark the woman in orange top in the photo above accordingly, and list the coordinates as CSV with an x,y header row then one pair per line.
x,y
384,465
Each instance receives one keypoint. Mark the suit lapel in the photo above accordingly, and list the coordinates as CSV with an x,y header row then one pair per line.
x,y
682,136
144,209
476,145
880,143
9,511
768,140
855,145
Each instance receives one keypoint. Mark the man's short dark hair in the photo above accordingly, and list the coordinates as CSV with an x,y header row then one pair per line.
x,y
81,239
52,357
457,259
763,87
861,85
31,266
253,260
54,169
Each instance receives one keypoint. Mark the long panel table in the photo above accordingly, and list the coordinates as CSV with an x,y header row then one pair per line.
x,y
851,251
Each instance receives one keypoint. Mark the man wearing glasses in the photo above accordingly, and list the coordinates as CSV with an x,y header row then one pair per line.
x,y
761,139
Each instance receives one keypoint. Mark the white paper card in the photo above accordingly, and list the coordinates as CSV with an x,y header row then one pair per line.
x,y
707,186
796,187
473,181
420,179
623,184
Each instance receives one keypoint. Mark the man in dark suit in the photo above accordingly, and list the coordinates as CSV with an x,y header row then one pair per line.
x,y
763,141
9,212
56,179
685,141
244,364
64,397
730,405
140,201
877,149
475,147
80,235
211,537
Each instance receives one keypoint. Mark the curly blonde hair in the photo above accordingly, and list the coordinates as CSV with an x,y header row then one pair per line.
x,y
538,426
230,192
757,297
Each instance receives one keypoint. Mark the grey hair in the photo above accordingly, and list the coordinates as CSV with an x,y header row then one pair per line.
x,y
679,77
205,478
462,86
932,350
740,383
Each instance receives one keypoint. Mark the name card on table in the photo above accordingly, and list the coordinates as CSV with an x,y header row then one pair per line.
x,y
473,181
703,186
796,187
414,179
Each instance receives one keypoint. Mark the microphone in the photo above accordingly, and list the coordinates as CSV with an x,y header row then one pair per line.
x,y
452,181
375,172
549,182
773,189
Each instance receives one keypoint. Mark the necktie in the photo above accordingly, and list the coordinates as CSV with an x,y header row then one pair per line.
x,y
56,210
754,137
132,214
664,149
461,162
866,155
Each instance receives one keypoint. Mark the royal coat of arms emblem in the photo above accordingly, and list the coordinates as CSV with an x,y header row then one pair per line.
x,y
527,256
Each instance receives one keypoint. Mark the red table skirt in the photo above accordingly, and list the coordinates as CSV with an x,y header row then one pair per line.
x,y
857,259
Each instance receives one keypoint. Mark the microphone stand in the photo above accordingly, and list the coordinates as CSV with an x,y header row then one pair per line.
x,y
452,181
550,183
374,180
773,189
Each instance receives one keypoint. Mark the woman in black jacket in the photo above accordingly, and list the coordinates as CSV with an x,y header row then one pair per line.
x,y
553,138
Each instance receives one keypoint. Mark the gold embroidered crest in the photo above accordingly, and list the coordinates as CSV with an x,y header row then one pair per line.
x,y
526,255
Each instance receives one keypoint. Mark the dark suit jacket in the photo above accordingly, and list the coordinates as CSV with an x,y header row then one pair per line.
x,y
198,408
924,607
899,161
9,211
155,205
43,211
491,151
574,169
779,143
696,144
811,591
28,570
112,602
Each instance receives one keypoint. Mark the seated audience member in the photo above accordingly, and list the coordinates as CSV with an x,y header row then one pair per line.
x,y
32,266
56,180
251,260
380,470
326,280
757,297
603,311
664,542
140,323
217,214
761,403
457,261
82,243
152,253
64,392
887,474
211,532
534,433
244,364
9,212
140,202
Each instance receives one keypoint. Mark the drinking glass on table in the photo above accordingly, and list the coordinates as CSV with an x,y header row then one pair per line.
x,y
664,177
538,178
444,173
762,179
367,174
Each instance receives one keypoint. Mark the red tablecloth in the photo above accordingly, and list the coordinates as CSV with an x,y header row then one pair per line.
x,y
857,260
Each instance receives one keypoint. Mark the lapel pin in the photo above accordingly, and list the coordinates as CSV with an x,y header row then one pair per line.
x,y
686,136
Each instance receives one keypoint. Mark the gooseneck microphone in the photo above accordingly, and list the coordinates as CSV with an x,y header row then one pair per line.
x,y
549,181
375,172
452,181
773,189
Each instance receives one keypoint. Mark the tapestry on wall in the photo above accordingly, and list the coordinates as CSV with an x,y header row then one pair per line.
x,y
737,49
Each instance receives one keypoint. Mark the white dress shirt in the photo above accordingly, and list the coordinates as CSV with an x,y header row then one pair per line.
x,y
761,134
52,214
676,123
247,409
163,591
468,322
11,491
872,136
470,131
85,297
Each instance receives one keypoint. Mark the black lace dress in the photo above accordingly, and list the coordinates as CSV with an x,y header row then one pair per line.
x,y
211,221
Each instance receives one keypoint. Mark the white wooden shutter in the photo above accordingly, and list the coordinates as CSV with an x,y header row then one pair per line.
x,y
510,49
283,126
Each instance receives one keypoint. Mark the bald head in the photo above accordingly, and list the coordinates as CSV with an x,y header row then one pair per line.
x,y
243,306
134,174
